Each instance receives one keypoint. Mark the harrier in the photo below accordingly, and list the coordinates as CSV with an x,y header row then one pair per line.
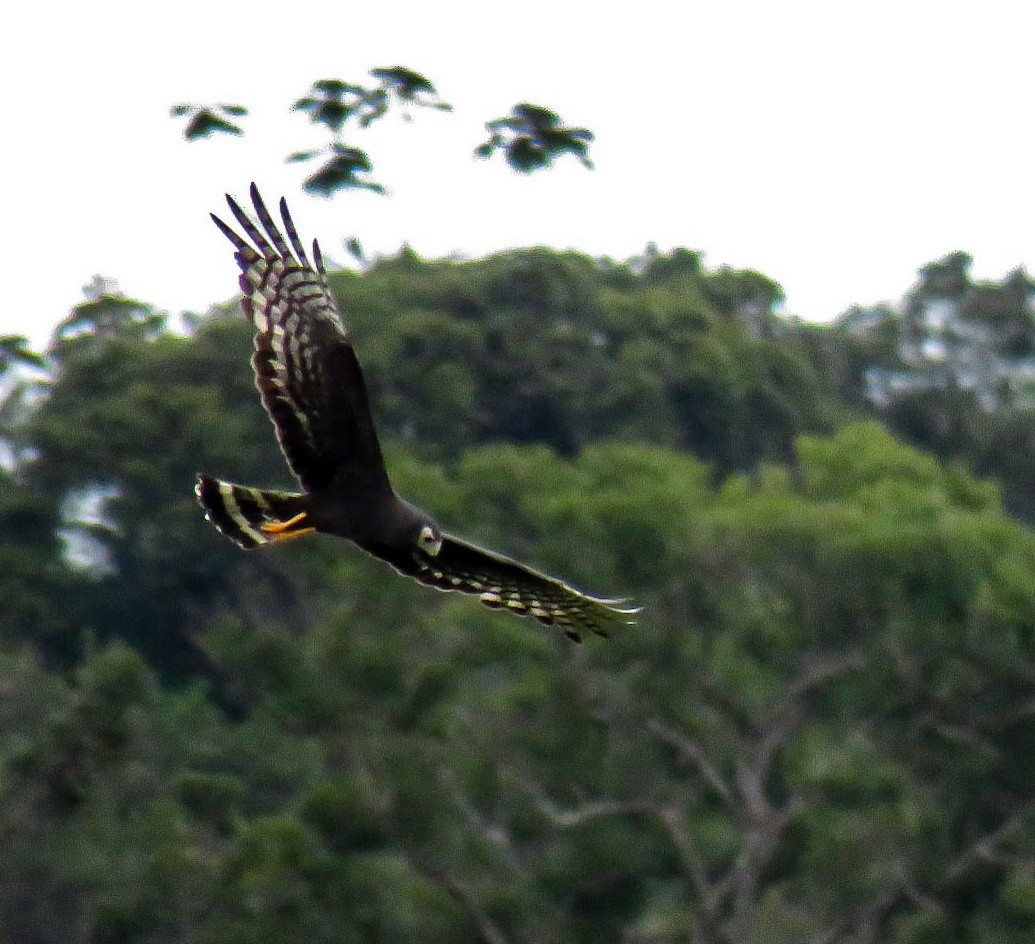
x,y
311,385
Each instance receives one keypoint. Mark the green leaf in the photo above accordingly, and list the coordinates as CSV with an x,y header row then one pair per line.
x,y
532,137
355,249
404,82
342,172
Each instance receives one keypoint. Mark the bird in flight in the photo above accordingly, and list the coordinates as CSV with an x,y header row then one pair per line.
x,y
311,385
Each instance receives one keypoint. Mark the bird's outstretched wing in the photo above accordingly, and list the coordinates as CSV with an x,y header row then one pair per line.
x,y
305,367
503,583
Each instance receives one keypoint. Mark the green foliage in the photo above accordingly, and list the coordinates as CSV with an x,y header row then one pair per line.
x,y
948,370
408,87
333,103
532,137
32,578
342,170
820,728
14,349
534,345
205,120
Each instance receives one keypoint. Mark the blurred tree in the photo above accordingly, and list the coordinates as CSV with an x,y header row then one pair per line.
x,y
819,732
112,440
949,369
535,345
32,576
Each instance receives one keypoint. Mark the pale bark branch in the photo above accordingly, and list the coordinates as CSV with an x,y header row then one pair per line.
x,y
488,931
691,752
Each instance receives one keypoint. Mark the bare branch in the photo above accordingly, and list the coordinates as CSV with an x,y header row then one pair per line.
x,y
670,818
764,822
584,813
589,811
985,848
744,878
874,915
782,722
821,667
689,855
488,932
691,752
492,830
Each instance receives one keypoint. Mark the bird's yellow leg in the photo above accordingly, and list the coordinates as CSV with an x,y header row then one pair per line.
x,y
286,530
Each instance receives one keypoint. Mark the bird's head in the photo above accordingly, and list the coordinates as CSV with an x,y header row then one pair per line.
x,y
429,539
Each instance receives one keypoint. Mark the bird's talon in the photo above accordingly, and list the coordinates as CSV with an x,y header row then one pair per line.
x,y
279,527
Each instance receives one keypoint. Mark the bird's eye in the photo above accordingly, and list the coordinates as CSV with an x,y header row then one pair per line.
x,y
430,541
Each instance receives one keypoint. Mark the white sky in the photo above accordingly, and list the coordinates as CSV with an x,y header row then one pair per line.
x,y
834,146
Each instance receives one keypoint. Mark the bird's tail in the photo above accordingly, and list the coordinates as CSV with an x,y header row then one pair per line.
x,y
251,517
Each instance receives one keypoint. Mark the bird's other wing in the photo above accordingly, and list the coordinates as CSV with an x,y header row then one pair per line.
x,y
502,583
305,366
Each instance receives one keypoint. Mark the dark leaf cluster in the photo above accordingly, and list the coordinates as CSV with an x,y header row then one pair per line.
x,y
333,103
532,137
205,120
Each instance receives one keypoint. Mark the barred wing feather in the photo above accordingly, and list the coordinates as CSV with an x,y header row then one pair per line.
x,y
502,583
305,367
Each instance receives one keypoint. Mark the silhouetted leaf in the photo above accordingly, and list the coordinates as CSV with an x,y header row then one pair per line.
x,y
336,88
208,119
205,123
532,136
332,102
342,172
355,249
407,87
404,82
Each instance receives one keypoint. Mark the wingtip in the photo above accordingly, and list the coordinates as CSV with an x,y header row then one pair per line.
x,y
622,605
257,201
253,192
235,208
224,229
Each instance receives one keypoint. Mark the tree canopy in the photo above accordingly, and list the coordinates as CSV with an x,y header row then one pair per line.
x,y
819,731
